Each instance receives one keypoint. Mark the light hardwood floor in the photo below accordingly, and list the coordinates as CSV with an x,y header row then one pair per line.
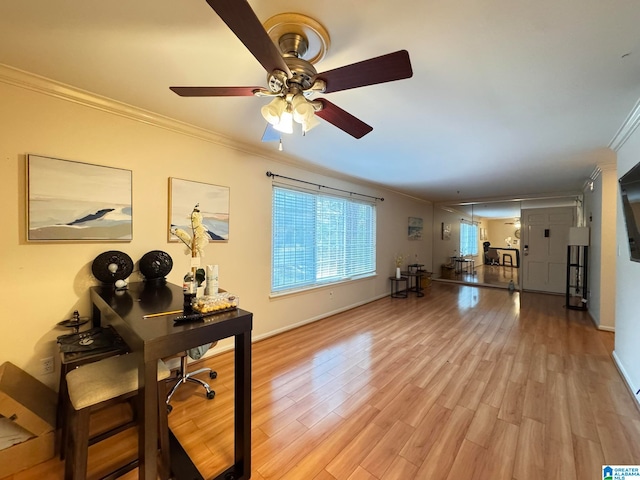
x,y
464,383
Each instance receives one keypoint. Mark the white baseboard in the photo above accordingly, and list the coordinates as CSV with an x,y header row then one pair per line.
x,y
605,328
632,388
600,327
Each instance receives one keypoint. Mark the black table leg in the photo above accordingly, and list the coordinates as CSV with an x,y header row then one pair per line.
x,y
242,406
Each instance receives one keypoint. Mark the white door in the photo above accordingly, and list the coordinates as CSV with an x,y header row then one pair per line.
x,y
545,236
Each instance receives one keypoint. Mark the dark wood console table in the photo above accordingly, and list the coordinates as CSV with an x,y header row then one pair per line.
x,y
515,250
158,338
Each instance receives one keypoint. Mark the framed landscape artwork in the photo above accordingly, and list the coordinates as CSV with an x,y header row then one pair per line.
x,y
446,231
415,228
213,201
75,201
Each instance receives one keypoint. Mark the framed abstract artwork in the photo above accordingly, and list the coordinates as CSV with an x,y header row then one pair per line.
x,y
212,201
75,201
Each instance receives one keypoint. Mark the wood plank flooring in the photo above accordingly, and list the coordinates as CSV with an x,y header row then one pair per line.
x,y
464,383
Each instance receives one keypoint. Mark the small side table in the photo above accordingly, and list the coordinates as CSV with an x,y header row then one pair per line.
x,y
415,284
396,292
465,265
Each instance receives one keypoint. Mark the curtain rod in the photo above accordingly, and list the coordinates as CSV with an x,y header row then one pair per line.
x,y
273,175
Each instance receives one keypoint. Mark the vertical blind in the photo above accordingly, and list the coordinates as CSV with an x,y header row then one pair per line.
x,y
319,239
468,238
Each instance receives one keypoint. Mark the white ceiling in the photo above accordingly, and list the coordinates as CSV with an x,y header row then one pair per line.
x,y
508,98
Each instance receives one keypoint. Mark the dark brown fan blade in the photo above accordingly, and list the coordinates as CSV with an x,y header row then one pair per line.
x,y
242,21
342,119
214,91
386,68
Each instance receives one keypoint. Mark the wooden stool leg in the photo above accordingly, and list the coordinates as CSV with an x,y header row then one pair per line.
x,y
69,419
77,449
62,412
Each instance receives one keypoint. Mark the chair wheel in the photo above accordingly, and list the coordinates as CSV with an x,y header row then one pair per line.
x,y
169,408
213,374
211,394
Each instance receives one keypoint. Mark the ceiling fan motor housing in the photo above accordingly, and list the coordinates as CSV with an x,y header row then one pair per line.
x,y
302,72
293,45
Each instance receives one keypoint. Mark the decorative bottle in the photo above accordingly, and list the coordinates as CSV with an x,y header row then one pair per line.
x,y
189,289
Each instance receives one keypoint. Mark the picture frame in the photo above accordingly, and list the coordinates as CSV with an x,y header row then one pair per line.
x,y
446,231
212,201
77,202
415,228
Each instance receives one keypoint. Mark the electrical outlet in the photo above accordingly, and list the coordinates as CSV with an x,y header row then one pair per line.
x,y
46,365
330,293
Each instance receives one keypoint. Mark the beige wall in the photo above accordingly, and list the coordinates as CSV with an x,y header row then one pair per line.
x,y
498,230
600,217
607,277
42,283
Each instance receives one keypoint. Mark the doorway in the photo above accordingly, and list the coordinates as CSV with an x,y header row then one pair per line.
x,y
545,240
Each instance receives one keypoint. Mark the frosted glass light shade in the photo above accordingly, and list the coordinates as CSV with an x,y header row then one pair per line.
x,y
272,111
310,123
286,123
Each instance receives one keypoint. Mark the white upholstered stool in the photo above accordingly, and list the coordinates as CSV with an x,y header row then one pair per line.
x,y
94,386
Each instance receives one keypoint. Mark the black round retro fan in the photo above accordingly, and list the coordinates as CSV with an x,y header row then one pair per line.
x,y
111,266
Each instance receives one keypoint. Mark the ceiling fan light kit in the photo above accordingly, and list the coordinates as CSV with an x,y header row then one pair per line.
x,y
281,112
287,46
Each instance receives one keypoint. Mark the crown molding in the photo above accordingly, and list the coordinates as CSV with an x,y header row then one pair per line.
x,y
597,171
30,81
46,86
588,183
628,127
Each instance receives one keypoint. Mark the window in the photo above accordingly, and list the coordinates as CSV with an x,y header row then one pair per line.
x,y
468,238
319,239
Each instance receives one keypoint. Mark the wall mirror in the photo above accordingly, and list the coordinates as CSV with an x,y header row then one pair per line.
x,y
481,242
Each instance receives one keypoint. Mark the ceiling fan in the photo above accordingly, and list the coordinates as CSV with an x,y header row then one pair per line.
x,y
292,80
